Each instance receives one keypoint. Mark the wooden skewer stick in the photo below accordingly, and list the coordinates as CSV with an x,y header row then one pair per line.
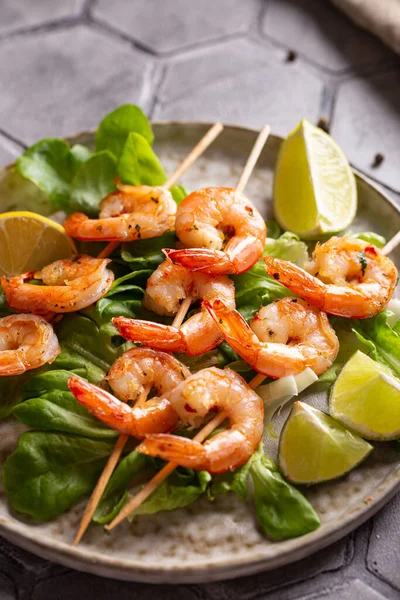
x,y
391,245
119,446
253,158
156,481
187,162
105,476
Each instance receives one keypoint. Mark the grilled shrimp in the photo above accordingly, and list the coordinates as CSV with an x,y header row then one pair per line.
x,y
207,390
143,212
350,278
70,285
166,287
26,342
223,230
134,374
284,338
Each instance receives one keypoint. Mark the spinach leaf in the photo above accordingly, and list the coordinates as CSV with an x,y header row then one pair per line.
x,y
57,409
125,296
49,472
51,165
93,181
281,510
114,129
10,392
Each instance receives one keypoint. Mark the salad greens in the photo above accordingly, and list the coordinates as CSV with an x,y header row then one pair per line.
x,y
59,462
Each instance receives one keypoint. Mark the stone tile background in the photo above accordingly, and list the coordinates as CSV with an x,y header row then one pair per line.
x,y
65,64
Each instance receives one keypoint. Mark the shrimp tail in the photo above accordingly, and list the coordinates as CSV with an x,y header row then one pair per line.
x,y
241,256
154,335
104,406
183,451
235,331
297,280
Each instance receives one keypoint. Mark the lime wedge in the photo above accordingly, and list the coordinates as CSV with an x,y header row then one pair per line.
x,y
366,398
314,188
314,447
29,241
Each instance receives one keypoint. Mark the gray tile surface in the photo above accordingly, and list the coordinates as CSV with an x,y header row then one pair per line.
x,y
59,82
162,26
63,65
15,16
238,82
321,33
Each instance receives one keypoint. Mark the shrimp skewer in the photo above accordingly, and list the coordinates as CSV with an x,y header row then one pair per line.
x,y
224,230
351,278
143,212
284,338
26,342
133,372
70,285
136,212
193,399
166,287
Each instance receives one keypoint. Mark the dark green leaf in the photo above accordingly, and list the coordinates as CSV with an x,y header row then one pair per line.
x,y
49,472
138,165
282,511
50,165
115,495
116,126
93,181
59,411
256,288
147,254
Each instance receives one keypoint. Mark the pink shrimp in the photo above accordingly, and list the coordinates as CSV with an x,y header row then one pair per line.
x,y
351,278
223,230
70,285
207,390
134,374
284,338
140,213
166,288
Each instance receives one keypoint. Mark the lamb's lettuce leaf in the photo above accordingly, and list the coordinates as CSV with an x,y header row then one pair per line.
x,y
281,509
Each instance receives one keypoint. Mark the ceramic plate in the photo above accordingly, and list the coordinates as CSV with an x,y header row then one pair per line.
x,y
210,541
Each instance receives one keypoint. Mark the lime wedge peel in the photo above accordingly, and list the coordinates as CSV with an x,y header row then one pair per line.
x,y
366,398
315,191
314,447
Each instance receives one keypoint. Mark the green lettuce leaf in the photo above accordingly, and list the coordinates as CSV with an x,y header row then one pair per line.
x,y
49,472
138,164
114,129
93,181
288,247
381,341
368,236
147,254
51,165
181,488
49,405
282,511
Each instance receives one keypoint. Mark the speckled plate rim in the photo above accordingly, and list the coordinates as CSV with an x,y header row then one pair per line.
x,y
225,568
